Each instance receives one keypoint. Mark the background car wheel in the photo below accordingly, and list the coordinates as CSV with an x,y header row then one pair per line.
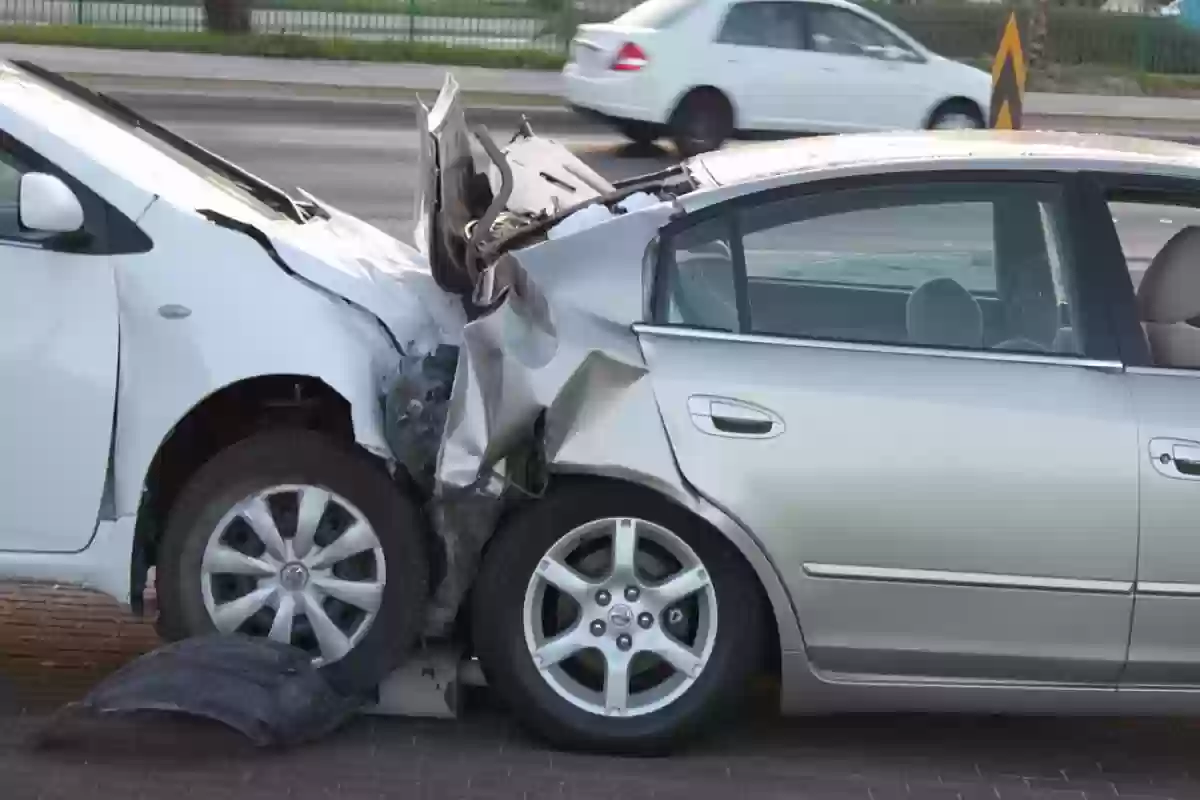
x,y
298,537
702,122
612,620
640,133
956,115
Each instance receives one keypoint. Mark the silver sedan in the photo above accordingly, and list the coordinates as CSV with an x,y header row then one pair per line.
x,y
900,418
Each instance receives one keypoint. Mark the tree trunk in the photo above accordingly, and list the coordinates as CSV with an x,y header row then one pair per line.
x,y
227,16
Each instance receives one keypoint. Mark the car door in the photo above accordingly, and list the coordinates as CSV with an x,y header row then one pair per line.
x,y
757,56
58,370
901,389
1164,379
874,80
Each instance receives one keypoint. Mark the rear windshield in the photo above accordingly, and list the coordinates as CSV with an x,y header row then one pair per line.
x,y
656,14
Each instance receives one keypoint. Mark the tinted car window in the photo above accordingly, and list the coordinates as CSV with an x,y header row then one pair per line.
x,y
835,30
11,170
953,265
777,25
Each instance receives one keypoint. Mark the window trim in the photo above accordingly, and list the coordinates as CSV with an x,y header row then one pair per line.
x,y
111,232
1100,351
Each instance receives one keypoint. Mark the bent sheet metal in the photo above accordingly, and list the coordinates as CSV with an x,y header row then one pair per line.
x,y
549,361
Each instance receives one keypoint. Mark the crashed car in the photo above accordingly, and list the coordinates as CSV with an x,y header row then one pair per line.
x,y
894,416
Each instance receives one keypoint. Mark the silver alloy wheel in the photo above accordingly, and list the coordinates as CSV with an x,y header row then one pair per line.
x,y
955,121
624,615
298,564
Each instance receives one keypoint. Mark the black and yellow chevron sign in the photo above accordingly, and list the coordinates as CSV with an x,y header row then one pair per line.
x,y
1008,80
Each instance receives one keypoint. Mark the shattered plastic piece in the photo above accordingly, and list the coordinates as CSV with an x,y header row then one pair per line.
x,y
268,691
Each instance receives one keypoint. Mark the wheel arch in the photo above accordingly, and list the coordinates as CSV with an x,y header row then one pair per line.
x,y
224,417
676,101
784,632
959,100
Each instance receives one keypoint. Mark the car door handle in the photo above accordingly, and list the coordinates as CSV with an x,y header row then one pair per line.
x,y
721,416
1176,458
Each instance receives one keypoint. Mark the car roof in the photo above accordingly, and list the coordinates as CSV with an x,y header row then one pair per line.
x,y
753,165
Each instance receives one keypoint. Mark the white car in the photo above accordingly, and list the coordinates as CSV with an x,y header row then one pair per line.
x,y
702,71
192,363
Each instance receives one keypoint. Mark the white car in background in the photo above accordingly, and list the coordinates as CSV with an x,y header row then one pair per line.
x,y
702,71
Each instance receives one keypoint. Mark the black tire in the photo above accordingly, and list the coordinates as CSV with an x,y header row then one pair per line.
x,y
702,122
640,133
301,457
497,608
956,108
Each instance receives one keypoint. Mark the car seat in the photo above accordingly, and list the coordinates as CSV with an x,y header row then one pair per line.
x,y
1169,298
941,313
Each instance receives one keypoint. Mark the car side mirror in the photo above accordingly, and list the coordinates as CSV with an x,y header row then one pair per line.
x,y
47,205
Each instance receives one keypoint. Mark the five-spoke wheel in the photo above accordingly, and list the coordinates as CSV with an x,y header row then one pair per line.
x,y
611,619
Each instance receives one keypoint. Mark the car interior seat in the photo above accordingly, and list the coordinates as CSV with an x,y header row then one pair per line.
x,y
1168,300
941,313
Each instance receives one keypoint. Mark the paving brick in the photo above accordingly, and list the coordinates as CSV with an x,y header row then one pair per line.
x,y
55,643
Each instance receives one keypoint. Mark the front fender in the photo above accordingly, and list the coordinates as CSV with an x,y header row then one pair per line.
x,y
195,319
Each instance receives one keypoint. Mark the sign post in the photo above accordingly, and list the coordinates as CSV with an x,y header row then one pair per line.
x,y
1008,80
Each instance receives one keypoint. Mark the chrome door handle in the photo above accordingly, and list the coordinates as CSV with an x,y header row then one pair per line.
x,y
1176,458
721,416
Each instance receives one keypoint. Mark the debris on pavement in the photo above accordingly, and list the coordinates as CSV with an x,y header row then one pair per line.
x,y
269,692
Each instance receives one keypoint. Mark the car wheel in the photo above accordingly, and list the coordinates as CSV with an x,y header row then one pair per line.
x,y
612,620
702,122
640,133
956,115
298,537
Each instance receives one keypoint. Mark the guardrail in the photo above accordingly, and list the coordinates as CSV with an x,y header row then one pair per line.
x,y
965,30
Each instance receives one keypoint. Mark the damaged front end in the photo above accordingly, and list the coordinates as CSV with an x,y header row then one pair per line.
x,y
480,423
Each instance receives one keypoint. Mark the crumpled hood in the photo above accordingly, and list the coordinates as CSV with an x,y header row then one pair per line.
x,y
362,264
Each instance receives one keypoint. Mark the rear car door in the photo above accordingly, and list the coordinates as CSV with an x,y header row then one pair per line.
x,y
1157,231
903,388
758,60
58,367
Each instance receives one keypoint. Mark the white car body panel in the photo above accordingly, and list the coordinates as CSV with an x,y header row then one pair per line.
x,y
58,356
158,332
770,89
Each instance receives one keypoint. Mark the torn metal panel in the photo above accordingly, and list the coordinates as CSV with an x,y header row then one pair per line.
x,y
548,363
555,261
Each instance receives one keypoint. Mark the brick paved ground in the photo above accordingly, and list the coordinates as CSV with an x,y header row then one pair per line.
x,y
53,643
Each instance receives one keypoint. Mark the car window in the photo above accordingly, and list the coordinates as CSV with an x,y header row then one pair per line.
x,y
765,24
835,30
979,266
1145,227
11,170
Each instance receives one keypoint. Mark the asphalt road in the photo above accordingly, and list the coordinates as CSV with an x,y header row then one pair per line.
x,y
367,166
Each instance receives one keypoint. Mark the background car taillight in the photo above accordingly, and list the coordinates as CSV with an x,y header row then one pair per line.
x,y
630,58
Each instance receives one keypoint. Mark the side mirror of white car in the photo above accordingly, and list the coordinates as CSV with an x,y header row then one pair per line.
x,y
47,205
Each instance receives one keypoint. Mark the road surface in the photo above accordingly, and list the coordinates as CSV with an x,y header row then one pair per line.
x,y
367,166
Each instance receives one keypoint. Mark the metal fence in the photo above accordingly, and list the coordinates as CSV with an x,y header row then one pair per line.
x,y
514,24
965,30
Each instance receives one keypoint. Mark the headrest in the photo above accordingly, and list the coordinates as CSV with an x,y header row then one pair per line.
x,y
1170,289
941,312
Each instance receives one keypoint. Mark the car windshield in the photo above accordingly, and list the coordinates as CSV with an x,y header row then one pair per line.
x,y
656,14
211,176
